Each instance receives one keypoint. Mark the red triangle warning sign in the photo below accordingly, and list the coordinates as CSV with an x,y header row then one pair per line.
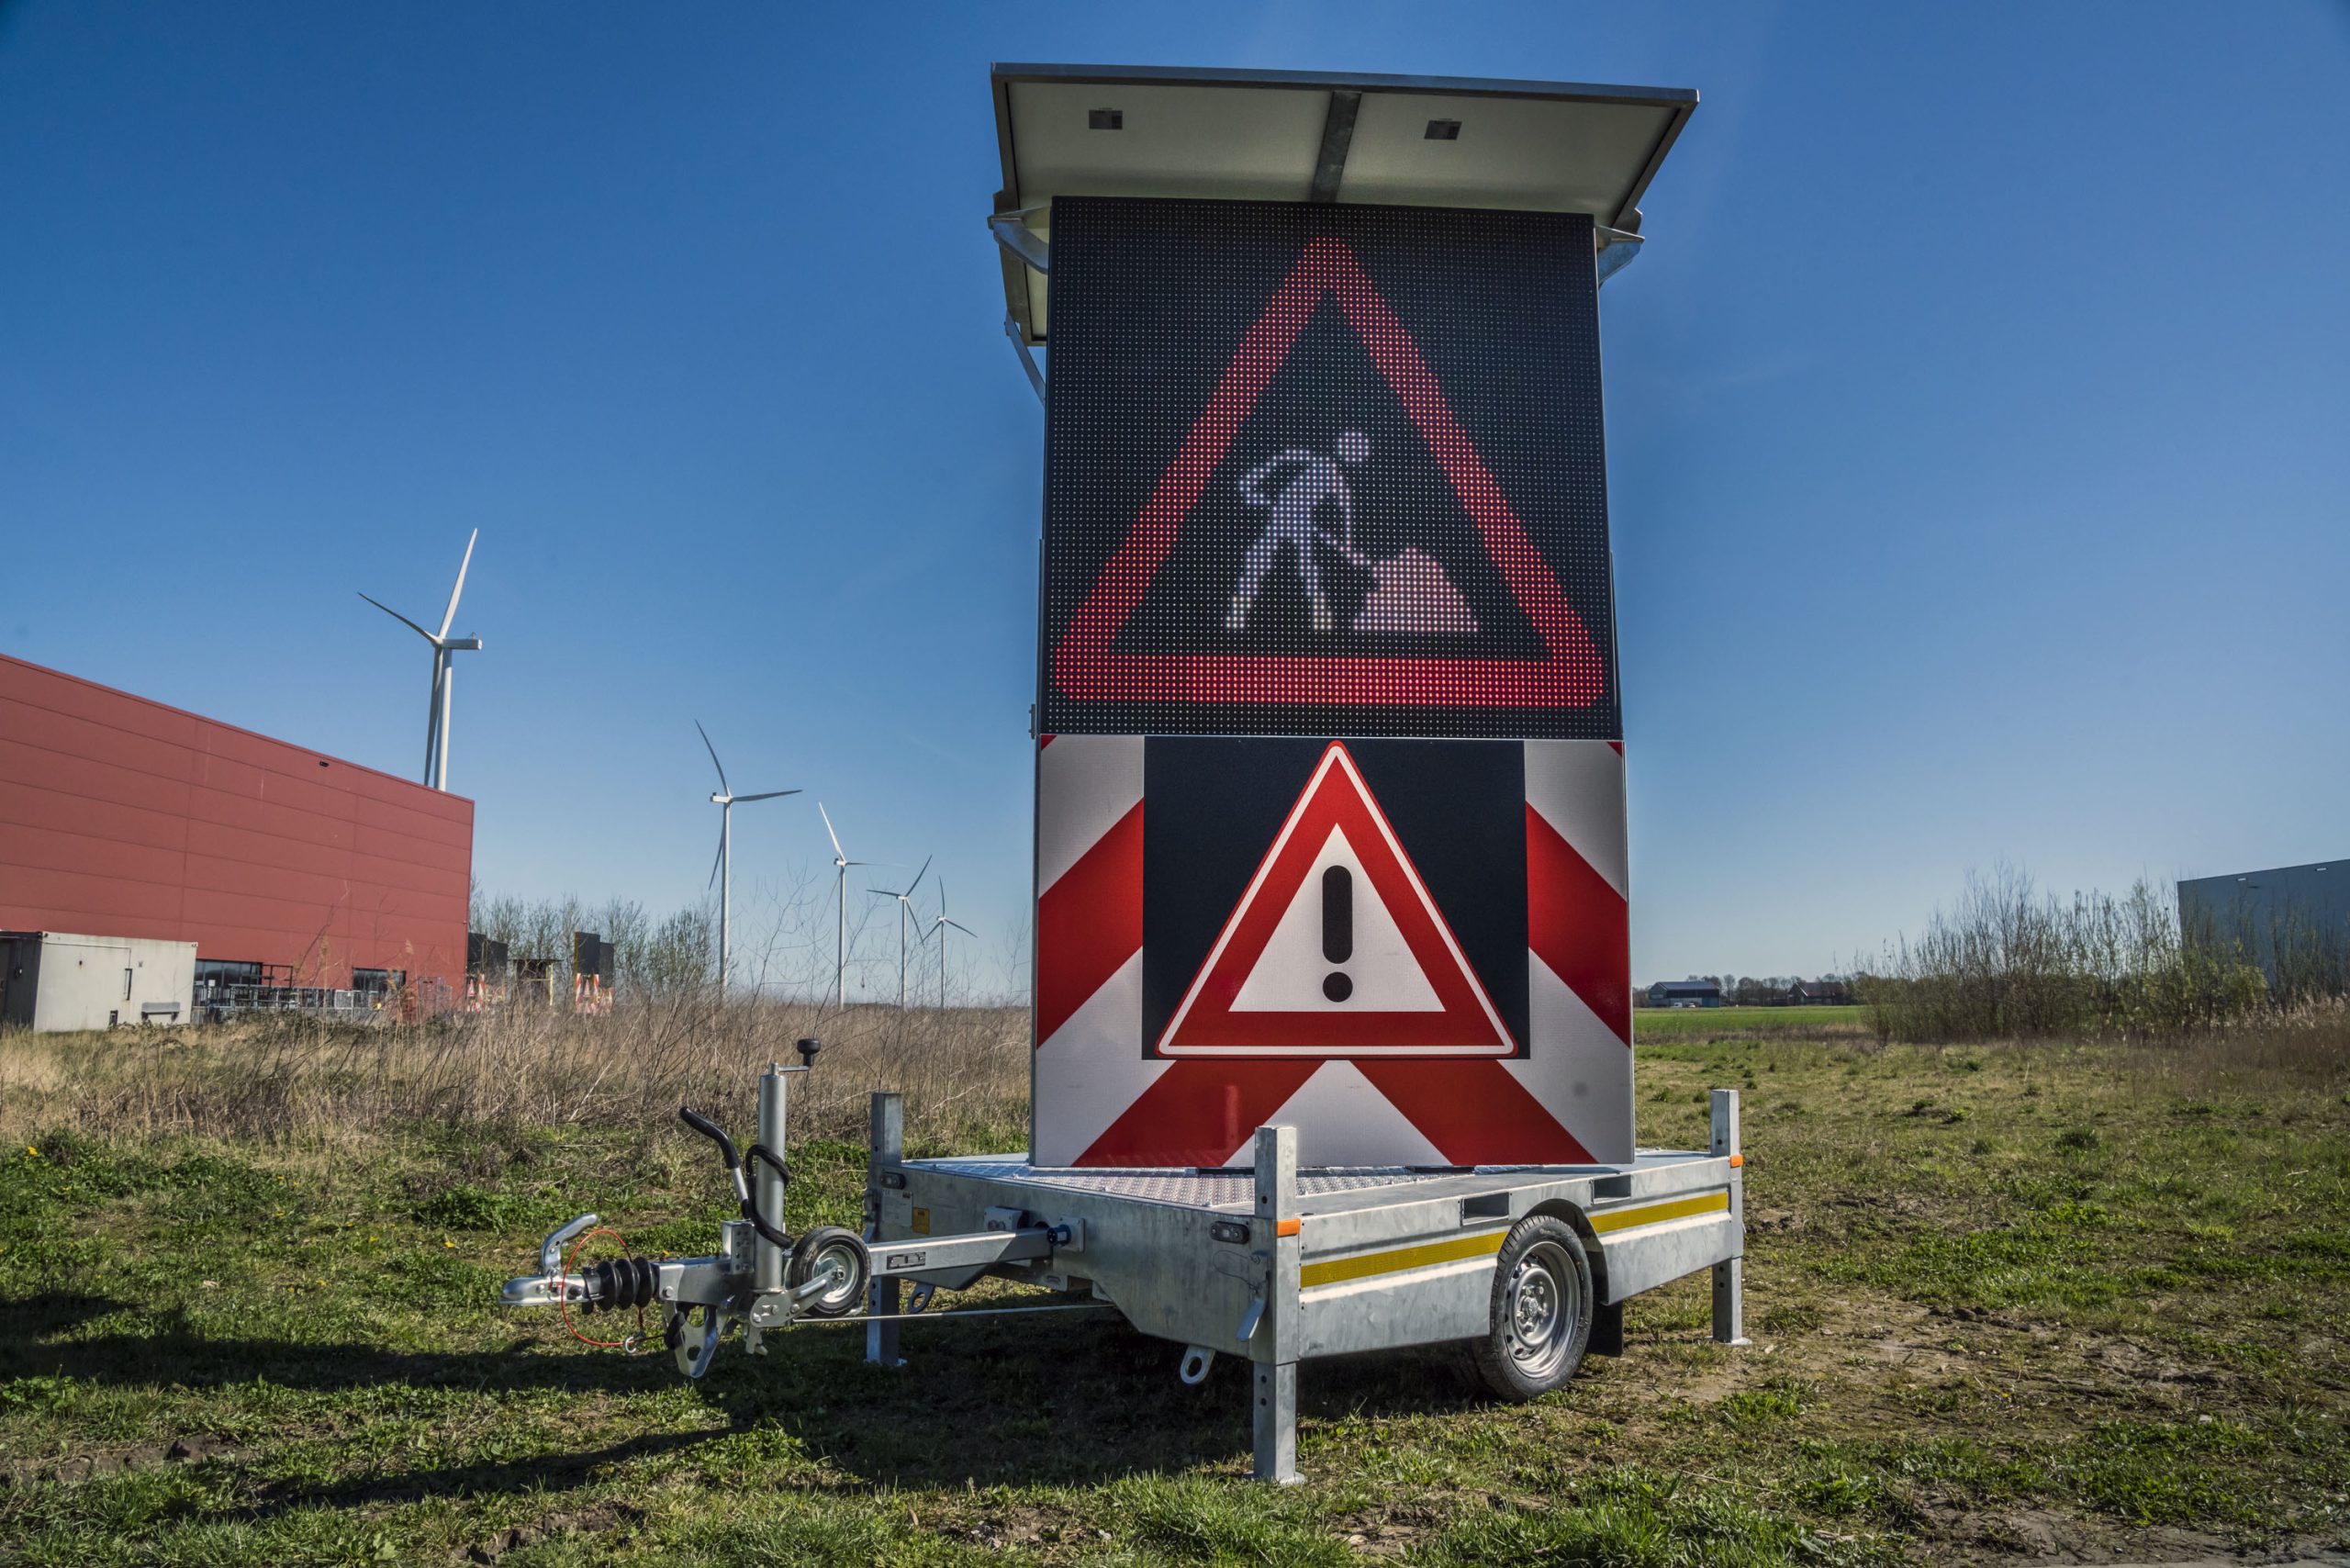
x,y
1336,948
1087,665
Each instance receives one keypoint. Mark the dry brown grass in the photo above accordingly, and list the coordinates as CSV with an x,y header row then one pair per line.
x,y
2282,1052
964,1071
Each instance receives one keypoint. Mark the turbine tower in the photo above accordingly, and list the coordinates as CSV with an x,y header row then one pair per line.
x,y
905,904
436,724
841,863
938,927
722,871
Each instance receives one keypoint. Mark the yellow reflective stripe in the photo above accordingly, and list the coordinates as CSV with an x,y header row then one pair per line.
x,y
1653,1213
1484,1244
1338,1271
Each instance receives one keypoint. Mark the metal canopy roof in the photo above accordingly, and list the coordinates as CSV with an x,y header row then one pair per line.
x,y
1315,136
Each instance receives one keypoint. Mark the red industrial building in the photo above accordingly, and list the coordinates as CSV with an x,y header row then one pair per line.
x,y
122,817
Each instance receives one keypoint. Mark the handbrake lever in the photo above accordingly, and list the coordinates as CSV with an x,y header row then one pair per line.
x,y
743,1191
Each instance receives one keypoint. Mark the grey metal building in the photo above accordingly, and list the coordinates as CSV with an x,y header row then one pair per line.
x,y
51,980
2293,920
1691,993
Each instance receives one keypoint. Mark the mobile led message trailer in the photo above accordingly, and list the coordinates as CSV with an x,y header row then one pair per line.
x,y
1333,1008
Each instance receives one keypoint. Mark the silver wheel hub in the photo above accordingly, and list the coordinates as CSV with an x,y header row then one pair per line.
x,y
834,1276
1541,1308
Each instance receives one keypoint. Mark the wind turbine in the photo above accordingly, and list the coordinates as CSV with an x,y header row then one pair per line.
x,y
436,726
722,871
905,904
938,927
841,863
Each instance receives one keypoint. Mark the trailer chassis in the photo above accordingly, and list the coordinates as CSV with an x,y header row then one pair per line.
x,y
1528,1266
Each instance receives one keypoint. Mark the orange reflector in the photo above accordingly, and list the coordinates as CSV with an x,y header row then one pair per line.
x,y
1287,1226
1736,1161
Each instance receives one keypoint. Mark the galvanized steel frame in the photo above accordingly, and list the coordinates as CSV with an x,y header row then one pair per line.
x,y
1285,1266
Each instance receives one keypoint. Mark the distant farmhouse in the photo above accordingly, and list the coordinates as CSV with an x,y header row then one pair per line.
x,y
1779,990
1691,993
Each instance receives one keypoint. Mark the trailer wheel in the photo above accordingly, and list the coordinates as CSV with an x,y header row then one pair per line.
x,y
829,1246
1541,1313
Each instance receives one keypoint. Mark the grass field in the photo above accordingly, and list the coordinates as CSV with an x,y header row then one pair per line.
x,y
1708,1022
2006,1301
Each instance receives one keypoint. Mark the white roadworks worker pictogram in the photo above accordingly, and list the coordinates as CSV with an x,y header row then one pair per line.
x,y
1317,479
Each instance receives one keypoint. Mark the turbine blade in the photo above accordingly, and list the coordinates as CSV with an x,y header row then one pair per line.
x,y
917,882
401,619
724,787
838,853
451,614
716,860
959,926
770,795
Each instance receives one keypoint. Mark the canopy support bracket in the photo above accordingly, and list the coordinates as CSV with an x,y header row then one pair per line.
x,y
1616,248
1338,136
1027,359
1012,232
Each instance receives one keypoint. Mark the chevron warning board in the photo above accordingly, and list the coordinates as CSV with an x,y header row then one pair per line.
x,y
1186,937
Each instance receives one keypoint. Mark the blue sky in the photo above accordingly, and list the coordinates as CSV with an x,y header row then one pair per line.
x,y
1975,420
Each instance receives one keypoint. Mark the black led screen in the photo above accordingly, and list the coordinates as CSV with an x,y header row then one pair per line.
x,y
1324,469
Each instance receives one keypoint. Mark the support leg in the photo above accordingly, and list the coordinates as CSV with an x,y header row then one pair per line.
x,y
1276,1423
888,1146
1729,1278
1729,1303
767,1258
1272,1348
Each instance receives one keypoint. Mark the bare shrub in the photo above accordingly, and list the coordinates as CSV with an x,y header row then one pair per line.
x,y
2007,961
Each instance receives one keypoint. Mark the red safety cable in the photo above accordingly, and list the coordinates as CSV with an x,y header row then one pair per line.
x,y
563,1292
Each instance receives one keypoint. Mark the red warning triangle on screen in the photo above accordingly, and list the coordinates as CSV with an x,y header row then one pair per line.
x,y
1087,666
1336,949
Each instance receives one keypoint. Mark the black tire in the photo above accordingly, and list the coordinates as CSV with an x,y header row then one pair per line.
x,y
1539,1323
830,1244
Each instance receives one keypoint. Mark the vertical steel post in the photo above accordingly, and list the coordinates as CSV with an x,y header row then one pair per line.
x,y
1273,1348
888,1146
1729,1278
767,1257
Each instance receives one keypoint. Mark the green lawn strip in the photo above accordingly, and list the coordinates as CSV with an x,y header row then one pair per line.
x,y
1664,1025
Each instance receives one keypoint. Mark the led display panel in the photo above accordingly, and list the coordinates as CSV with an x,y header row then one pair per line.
x,y
1324,469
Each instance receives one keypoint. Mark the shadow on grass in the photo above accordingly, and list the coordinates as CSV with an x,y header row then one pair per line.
x,y
1054,1400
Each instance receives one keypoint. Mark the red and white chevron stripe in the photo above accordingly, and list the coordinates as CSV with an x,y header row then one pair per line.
x,y
1097,1101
